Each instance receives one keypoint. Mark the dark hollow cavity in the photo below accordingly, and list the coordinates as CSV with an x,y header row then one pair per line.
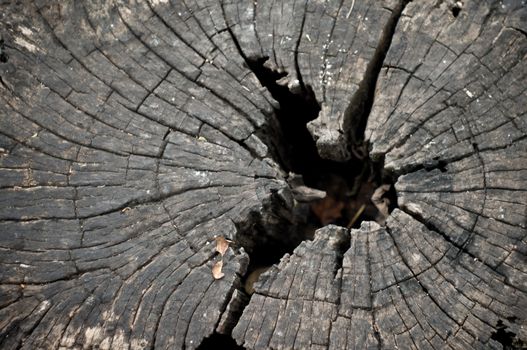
x,y
3,55
349,185
284,223
219,341
455,11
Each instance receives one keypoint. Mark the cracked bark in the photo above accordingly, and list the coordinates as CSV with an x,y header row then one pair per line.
x,y
132,134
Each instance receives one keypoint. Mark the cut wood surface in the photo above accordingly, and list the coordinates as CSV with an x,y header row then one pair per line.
x,y
136,135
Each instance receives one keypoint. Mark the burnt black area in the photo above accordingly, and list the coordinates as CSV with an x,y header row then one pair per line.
x,y
219,341
508,339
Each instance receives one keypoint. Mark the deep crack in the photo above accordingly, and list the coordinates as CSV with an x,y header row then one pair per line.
x,y
331,192
349,185
321,191
359,109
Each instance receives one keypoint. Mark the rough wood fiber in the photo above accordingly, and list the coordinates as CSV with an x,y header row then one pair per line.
x,y
128,140
123,154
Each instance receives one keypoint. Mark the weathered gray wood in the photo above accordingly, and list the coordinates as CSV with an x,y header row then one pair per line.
x,y
123,155
400,286
131,136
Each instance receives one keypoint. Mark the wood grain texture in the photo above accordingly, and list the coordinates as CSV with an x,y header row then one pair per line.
x,y
134,133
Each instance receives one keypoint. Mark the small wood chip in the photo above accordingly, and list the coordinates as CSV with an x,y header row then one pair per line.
x,y
216,270
382,204
221,245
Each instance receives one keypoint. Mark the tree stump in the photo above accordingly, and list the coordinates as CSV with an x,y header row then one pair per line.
x,y
144,145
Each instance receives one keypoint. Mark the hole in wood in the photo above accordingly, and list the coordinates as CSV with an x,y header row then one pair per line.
x,y
3,55
456,7
436,163
219,341
349,186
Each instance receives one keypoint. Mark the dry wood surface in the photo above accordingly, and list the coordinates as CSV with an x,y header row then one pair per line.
x,y
146,161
